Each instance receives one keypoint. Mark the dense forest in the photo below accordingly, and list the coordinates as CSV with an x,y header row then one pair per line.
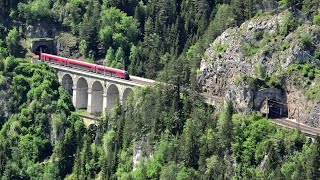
x,y
166,132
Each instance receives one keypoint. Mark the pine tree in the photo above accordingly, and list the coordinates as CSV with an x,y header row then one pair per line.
x,y
313,164
310,6
225,126
238,7
190,144
109,57
89,28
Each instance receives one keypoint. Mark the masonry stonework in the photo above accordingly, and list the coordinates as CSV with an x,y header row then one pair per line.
x,y
95,95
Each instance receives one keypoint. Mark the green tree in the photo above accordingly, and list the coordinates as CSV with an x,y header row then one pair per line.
x,y
120,59
89,28
313,164
13,42
118,30
190,145
224,18
225,126
110,57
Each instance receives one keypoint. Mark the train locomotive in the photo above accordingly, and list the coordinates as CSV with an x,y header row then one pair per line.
x,y
83,65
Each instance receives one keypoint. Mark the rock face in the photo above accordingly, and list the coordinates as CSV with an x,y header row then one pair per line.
x,y
259,47
142,151
42,30
68,46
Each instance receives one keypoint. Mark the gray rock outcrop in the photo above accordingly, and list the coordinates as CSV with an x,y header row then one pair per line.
x,y
257,48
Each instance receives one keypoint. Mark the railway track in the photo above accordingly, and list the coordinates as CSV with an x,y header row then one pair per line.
x,y
133,79
311,131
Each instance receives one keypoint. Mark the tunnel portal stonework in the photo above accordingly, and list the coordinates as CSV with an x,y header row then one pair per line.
x,y
95,95
273,100
46,45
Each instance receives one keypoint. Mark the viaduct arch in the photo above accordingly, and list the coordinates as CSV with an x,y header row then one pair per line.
x,y
126,93
97,98
112,96
81,94
67,83
94,95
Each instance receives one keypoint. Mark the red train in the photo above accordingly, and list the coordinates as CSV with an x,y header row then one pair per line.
x,y
84,65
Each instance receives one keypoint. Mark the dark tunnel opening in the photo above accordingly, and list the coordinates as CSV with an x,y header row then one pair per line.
x,y
42,48
276,109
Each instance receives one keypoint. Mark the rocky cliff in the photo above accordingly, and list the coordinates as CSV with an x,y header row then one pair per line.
x,y
244,60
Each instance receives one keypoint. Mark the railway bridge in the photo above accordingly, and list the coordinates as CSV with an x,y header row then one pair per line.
x,y
94,92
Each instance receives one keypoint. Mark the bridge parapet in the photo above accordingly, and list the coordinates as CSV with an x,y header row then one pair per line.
x,y
94,92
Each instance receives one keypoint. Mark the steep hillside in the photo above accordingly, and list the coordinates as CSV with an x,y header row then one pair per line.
x,y
167,131
264,53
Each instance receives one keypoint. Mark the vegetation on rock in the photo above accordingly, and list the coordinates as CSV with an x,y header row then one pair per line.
x,y
166,132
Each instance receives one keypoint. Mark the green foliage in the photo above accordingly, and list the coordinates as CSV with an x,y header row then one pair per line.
x,y
316,19
176,135
12,41
36,10
118,30
288,25
10,63
89,30
223,19
317,52
306,40
314,171
27,131
258,35
313,93
221,48
260,71
249,49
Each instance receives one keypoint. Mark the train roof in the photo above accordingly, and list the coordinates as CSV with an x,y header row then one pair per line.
x,y
85,63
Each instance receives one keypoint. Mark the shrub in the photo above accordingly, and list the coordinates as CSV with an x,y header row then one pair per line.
x,y
248,49
221,48
260,71
317,53
306,40
316,19
258,35
314,93
288,25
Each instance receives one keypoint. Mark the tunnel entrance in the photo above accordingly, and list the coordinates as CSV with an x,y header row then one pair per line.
x,y
47,45
274,109
42,48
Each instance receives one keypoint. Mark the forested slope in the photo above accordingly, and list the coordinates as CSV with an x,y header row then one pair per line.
x,y
163,132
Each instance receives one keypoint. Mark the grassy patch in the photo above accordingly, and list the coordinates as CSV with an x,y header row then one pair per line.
x,y
313,93
249,49
221,48
306,40
82,112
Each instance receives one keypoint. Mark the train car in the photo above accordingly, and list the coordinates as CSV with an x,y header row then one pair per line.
x,y
81,65
112,72
85,66
54,59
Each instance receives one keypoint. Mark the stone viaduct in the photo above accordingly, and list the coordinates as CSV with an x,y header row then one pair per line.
x,y
91,91
94,92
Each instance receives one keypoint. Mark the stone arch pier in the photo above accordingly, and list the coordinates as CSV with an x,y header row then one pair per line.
x,y
93,94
